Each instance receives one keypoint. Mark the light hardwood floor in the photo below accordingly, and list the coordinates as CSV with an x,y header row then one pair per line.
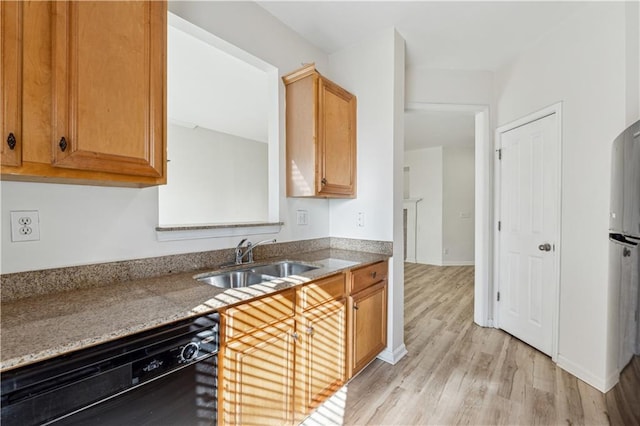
x,y
459,373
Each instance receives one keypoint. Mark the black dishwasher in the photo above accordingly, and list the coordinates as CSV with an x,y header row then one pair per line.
x,y
164,376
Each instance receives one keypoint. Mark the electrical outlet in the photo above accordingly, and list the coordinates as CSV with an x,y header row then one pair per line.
x,y
25,225
360,219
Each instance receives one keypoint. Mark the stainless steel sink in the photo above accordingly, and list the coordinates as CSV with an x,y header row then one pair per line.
x,y
254,274
234,279
283,269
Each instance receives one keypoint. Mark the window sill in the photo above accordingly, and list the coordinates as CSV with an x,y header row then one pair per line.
x,y
193,232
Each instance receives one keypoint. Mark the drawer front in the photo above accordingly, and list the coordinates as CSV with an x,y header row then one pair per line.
x,y
259,313
321,291
367,276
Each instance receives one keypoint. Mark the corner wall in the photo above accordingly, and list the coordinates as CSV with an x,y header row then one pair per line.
x,y
374,72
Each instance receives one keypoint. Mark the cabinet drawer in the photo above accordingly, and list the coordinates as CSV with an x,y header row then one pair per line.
x,y
321,291
257,314
369,275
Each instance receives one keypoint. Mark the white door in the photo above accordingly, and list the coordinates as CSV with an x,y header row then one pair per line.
x,y
528,231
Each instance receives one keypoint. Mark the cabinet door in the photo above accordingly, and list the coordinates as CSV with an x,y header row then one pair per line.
x,y
301,119
109,67
257,377
11,82
336,141
321,356
368,332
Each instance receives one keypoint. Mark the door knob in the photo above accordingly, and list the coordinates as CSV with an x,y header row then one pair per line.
x,y
544,247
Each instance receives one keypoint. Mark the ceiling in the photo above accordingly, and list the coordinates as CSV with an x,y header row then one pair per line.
x,y
458,35
438,34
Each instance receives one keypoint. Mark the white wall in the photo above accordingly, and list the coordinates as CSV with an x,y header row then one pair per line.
x,y
374,72
582,64
215,178
458,200
633,60
87,224
461,87
396,348
425,171
444,178
374,91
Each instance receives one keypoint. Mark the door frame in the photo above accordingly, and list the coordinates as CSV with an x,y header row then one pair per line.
x,y
537,115
483,193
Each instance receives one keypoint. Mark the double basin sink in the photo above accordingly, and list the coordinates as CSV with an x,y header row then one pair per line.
x,y
254,274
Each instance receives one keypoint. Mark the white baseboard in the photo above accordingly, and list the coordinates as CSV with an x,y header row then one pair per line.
x,y
393,356
439,262
458,263
428,262
602,384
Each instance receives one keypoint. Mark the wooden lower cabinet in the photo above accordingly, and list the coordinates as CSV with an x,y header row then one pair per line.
x,y
285,354
257,377
320,355
368,326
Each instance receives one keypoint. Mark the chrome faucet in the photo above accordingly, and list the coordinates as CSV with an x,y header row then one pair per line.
x,y
248,250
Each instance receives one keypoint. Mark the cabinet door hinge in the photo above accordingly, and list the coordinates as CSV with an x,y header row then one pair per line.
x,y
498,297
499,225
499,153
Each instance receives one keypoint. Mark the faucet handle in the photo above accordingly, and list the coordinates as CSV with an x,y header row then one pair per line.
x,y
249,252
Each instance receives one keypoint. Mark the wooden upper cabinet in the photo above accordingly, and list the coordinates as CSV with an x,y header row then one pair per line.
x,y
108,86
321,136
11,80
93,73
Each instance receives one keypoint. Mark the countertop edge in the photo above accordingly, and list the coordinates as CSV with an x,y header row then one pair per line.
x,y
218,300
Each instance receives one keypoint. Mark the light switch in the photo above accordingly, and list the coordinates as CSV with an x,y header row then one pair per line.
x,y
302,217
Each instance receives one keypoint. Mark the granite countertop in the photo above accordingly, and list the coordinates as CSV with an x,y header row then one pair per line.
x,y
44,326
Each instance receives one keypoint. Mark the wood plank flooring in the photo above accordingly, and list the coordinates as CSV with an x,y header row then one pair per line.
x,y
457,373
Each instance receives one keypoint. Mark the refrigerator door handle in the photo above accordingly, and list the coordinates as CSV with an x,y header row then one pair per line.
x,y
624,240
